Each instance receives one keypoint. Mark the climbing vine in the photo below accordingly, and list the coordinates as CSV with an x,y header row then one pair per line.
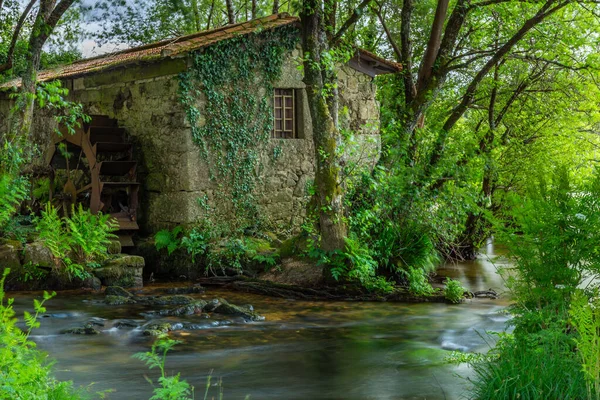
x,y
233,125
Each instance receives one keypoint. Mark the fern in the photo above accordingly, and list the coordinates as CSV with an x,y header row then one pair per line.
x,y
90,234
168,239
585,317
76,242
52,232
13,191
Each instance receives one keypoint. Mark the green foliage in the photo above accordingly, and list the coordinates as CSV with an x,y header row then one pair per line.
x,y
13,187
171,387
236,76
217,253
67,114
77,241
354,264
168,239
399,229
552,234
24,371
531,367
585,317
418,283
454,291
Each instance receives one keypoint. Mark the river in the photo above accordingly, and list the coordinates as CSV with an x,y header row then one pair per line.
x,y
303,350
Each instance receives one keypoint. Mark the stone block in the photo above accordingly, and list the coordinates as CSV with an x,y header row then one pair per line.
x,y
122,270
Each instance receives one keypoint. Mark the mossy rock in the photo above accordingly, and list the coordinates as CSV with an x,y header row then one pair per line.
x,y
177,299
293,246
117,291
118,300
114,247
232,309
214,303
194,308
38,255
157,329
88,329
122,270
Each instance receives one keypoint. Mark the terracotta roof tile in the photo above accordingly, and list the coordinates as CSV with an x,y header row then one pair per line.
x,y
169,48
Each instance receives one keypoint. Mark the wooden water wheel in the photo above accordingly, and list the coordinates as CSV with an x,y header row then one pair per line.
x,y
95,167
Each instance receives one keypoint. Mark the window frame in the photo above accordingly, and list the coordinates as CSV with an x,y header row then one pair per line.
x,y
284,133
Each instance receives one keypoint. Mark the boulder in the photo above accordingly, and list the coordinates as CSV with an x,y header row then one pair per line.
x,y
160,329
177,299
126,323
87,329
9,255
121,270
92,282
214,303
38,255
237,311
117,291
118,300
190,309
114,247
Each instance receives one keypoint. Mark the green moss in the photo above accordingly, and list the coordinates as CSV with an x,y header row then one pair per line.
x,y
234,126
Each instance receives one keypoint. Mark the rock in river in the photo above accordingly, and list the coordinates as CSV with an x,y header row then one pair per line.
x,y
87,329
118,300
117,291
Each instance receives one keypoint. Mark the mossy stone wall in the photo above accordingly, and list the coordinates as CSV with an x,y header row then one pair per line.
x,y
174,173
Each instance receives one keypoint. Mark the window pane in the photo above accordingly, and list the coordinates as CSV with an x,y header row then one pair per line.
x,y
283,113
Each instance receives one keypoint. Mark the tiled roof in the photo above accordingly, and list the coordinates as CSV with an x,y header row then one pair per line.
x,y
172,48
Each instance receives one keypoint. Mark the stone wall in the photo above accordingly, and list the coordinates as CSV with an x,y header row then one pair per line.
x,y
174,174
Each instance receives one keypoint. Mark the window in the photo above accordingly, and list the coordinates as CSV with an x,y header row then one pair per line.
x,y
284,114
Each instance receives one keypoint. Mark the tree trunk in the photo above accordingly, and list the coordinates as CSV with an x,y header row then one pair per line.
x,y
326,136
46,19
196,12
230,11
275,7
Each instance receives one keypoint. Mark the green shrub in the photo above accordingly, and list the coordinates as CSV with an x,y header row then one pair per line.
x,y
218,253
78,241
418,283
454,291
24,371
536,367
552,234
13,187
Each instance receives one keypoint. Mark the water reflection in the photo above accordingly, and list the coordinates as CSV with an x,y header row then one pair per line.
x,y
304,350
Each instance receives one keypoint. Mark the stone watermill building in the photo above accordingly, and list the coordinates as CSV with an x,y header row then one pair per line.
x,y
148,170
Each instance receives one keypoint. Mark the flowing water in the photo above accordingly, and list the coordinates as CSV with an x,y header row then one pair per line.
x,y
303,350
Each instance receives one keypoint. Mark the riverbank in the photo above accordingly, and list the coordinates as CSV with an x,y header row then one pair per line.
x,y
303,349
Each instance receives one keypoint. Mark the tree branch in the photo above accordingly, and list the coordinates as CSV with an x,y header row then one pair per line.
x,y
11,50
546,10
433,45
356,14
388,34
410,89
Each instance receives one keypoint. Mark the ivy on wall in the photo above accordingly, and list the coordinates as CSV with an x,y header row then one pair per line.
x,y
233,126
